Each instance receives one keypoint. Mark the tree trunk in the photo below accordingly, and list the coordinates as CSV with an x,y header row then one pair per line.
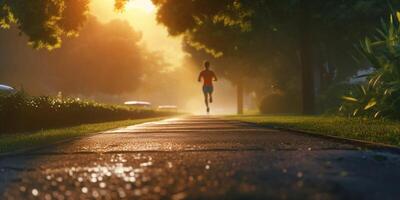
x,y
306,54
240,98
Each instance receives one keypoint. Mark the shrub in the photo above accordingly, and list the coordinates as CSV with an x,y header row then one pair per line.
x,y
380,96
20,112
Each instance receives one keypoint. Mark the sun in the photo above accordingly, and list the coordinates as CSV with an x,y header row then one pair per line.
x,y
144,5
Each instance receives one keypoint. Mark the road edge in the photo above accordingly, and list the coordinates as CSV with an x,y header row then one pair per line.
x,y
365,145
36,148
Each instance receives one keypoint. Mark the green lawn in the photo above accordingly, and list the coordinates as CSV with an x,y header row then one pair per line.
x,y
381,131
15,142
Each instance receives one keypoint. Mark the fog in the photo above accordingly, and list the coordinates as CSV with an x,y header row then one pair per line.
x,y
109,63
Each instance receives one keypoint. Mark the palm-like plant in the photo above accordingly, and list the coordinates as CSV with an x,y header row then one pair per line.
x,y
380,96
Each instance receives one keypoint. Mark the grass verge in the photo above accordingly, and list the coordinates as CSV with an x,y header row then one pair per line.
x,y
380,131
14,142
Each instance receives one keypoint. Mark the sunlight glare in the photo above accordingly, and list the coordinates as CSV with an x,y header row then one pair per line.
x,y
145,5
155,36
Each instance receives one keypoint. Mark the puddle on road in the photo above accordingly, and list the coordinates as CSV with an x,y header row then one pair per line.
x,y
119,176
104,179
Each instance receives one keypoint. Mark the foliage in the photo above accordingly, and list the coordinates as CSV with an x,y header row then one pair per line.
x,y
266,38
261,22
45,22
20,112
380,96
372,130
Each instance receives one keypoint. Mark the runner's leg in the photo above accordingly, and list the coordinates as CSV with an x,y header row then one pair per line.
x,y
206,98
206,101
210,93
205,92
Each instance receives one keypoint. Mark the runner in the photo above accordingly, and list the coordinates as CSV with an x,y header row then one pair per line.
x,y
208,77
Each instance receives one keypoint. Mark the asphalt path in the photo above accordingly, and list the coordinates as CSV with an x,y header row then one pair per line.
x,y
200,157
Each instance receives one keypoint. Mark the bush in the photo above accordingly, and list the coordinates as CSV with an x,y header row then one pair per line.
x,y
20,112
380,96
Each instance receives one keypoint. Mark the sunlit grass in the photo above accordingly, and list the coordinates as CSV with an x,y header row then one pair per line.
x,y
381,131
15,142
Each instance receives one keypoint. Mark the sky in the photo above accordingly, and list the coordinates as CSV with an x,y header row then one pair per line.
x,y
141,14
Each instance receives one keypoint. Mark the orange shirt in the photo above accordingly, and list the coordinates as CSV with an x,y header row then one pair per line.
x,y
208,77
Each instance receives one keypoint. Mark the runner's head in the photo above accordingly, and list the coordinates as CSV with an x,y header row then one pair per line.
x,y
207,64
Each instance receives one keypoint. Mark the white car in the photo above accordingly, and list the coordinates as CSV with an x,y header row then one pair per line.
x,y
168,108
138,104
5,89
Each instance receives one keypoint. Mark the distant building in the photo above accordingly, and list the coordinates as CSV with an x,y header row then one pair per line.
x,y
138,104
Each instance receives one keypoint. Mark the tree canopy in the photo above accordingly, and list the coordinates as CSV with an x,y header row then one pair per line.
x,y
45,22
262,38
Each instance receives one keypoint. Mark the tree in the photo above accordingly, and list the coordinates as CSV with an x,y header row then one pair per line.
x,y
309,24
242,47
318,20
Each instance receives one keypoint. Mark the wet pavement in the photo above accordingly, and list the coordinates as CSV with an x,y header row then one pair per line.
x,y
201,158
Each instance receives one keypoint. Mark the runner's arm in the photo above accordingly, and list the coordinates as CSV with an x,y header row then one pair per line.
x,y
215,77
200,75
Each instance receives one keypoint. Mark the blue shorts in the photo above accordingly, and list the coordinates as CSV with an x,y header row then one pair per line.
x,y
207,89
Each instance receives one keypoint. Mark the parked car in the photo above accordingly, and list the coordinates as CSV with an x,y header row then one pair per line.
x,y
138,104
361,76
168,108
5,89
